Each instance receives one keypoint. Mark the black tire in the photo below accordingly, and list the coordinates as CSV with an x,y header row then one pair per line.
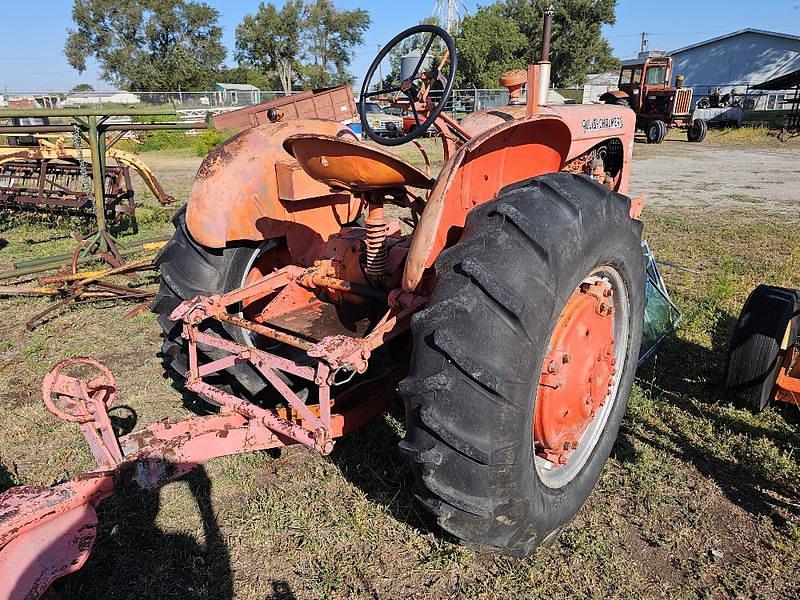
x,y
468,396
754,355
697,131
187,270
616,101
656,131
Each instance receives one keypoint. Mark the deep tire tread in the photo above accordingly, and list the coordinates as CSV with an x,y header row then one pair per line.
x,y
460,379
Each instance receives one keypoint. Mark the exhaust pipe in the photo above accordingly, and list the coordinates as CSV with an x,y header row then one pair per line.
x,y
544,63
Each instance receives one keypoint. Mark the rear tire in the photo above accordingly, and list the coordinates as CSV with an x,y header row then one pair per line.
x,y
655,132
478,350
188,270
768,315
697,131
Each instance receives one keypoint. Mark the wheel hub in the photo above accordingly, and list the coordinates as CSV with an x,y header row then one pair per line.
x,y
577,373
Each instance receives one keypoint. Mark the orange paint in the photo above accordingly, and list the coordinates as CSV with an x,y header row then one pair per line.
x,y
577,373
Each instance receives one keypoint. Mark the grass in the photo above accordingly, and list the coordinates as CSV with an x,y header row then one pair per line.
x,y
171,140
746,136
699,498
745,198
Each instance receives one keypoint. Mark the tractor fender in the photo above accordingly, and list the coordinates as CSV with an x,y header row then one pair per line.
x,y
617,94
251,189
508,153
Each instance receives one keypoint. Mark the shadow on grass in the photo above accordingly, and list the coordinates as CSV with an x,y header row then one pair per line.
x,y
371,460
134,558
7,479
691,379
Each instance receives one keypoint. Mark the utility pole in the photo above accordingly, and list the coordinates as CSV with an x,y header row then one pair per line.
x,y
645,42
449,13
380,71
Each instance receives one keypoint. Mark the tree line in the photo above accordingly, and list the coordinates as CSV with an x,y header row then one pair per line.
x,y
507,35
171,45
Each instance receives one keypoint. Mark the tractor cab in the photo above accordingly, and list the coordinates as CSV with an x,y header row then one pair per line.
x,y
639,78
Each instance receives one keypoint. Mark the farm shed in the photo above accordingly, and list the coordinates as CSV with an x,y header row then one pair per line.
x,y
598,84
237,94
738,61
792,101
99,98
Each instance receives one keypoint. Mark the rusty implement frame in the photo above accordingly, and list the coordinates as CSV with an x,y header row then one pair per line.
x,y
47,175
54,186
787,385
81,287
48,532
92,127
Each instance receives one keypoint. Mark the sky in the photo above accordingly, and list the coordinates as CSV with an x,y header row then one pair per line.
x,y
31,45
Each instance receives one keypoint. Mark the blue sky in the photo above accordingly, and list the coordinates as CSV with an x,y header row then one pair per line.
x,y
32,40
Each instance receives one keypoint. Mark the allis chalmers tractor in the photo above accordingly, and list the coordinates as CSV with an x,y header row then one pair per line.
x,y
763,360
505,296
644,87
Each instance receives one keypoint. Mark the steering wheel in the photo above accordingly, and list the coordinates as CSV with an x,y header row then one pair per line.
x,y
412,94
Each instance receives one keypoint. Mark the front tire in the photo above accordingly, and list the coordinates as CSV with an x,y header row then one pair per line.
x,y
188,270
697,131
656,131
479,348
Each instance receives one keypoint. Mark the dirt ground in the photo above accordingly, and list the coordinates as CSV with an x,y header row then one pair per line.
x,y
710,177
700,498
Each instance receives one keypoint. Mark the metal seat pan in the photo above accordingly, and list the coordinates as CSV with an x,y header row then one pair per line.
x,y
352,165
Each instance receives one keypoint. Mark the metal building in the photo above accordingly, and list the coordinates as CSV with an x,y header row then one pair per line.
x,y
736,62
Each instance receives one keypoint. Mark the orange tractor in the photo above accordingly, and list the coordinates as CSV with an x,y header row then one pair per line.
x,y
312,274
644,86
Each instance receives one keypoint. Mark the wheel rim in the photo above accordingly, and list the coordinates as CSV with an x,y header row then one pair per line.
x,y
261,263
580,375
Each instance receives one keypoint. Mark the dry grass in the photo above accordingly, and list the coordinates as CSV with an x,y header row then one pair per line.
x,y
749,136
699,499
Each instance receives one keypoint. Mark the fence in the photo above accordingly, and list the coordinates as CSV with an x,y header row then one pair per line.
x,y
461,102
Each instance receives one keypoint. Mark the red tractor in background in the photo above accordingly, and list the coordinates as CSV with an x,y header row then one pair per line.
x,y
311,274
644,86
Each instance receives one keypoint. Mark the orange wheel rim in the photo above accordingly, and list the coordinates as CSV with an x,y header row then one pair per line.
x,y
577,374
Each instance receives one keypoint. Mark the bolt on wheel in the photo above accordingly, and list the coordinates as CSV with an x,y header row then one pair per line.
x,y
578,382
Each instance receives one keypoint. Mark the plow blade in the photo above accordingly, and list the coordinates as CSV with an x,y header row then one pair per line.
x,y
47,548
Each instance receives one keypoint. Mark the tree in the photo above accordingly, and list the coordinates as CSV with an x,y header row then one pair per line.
x,y
489,42
82,87
270,40
147,45
330,36
245,73
578,45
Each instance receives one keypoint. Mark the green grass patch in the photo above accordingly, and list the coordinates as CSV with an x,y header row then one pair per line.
x,y
199,144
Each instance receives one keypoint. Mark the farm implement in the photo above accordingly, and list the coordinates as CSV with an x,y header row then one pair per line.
x,y
311,274
763,363
63,168
49,177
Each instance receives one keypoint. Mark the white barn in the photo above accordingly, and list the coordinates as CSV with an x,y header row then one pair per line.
x,y
598,84
737,61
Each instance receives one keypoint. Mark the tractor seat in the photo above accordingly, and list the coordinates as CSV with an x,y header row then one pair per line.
x,y
351,165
